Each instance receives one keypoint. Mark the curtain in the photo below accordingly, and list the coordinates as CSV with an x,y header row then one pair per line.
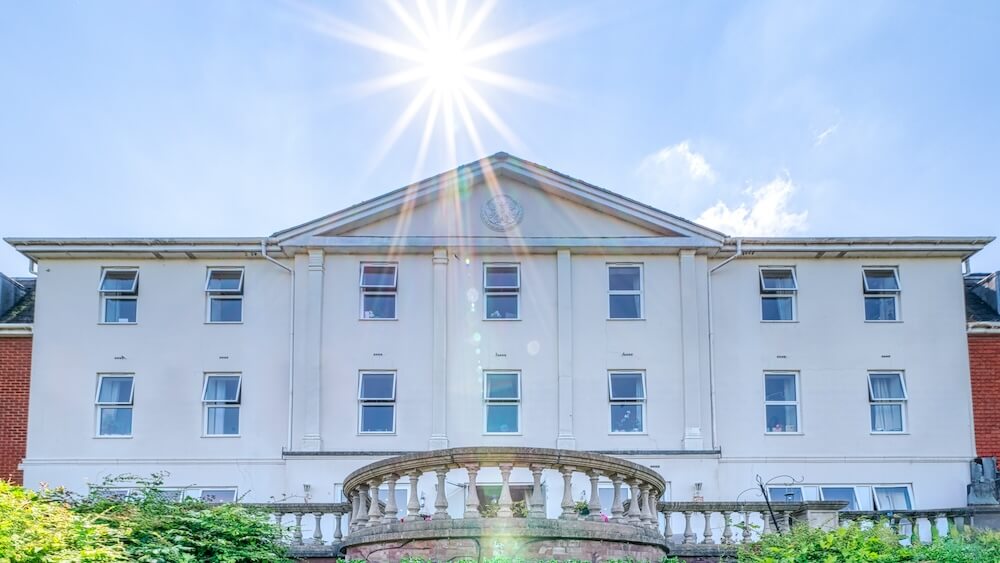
x,y
887,418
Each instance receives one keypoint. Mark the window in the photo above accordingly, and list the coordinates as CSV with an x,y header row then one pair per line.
x,y
627,392
840,493
377,398
221,398
781,402
502,396
378,291
625,291
402,497
887,394
785,494
114,405
214,495
119,295
502,286
881,287
225,295
778,288
892,498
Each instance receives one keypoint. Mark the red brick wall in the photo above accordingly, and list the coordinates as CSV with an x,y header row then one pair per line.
x,y
984,364
15,377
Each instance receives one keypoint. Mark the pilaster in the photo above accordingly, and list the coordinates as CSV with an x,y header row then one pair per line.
x,y
311,385
439,358
691,356
564,303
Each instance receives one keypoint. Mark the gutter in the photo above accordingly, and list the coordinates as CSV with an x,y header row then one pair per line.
x,y
711,344
15,329
291,337
983,327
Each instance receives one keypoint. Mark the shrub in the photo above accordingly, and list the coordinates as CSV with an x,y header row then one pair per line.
x,y
878,544
34,529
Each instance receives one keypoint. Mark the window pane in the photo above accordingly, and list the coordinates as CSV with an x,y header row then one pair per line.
x,y
627,386
777,279
170,495
785,494
623,278
887,386
881,280
226,310
402,498
880,308
501,306
222,388
225,280
379,276
223,421
115,390
624,306
376,418
501,386
501,276
379,306
116,421
501,418
887,418
119,310
776,308
218,495
841,493
779,387
782,418
626,418
119,281
377,386
893,498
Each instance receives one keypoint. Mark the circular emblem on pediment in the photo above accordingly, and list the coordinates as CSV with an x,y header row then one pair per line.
x,y
502,213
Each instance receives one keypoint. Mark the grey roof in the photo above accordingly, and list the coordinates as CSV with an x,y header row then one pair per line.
x,y
23,310
976,308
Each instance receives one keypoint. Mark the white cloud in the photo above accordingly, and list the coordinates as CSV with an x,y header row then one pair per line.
x,y
675,177
822,137
766,214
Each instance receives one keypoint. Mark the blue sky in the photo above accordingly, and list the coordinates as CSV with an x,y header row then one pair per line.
x,y
243,118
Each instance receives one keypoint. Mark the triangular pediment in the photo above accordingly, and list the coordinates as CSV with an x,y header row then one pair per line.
x,y
502,196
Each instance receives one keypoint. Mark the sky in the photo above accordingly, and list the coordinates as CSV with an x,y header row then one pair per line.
x,y
239,118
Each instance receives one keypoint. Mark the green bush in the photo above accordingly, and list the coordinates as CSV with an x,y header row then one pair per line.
x,y
34,529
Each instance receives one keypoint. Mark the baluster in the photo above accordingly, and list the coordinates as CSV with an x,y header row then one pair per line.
x,y
441,502
537,502
667,532
707,539
297,529
935,531
767,522
318,529
355,506
634,516
472,498
362,518
786,521
569,508
915,528
652,509
617,510
689,536
505,500
594,506
413,505
374,510
277,518
644,506
338,534
391,510
727,532
747,534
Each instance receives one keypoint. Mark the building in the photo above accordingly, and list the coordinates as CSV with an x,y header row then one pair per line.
x,y
984,359
505,304
17,298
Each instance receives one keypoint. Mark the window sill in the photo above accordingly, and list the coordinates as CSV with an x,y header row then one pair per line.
x,y
501,320
393,433
784,433
374,319
882,322
876,433
628,434
627,319
223,322
114,324
220,435
503,434
792,321
129,437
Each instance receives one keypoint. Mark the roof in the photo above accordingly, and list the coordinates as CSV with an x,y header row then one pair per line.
x,y
23,310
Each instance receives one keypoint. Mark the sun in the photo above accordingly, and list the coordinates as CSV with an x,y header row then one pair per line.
x,y
445,67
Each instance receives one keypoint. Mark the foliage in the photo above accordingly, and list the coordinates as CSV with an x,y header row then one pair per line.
x,y
976,547
157,530
582,508
492,508
34,529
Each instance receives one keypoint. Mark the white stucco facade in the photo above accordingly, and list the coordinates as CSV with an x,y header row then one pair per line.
x,y
700,345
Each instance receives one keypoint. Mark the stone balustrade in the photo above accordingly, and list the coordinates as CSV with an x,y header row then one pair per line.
x,y
732,523
916,526
304,524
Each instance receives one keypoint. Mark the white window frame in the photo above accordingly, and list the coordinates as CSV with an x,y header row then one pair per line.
x,y
363,402
785,487
796,403
854,492
489,291
779,293
872,401
381,290
223,294
878,505
207,404
131,295
613,401
487,401
116,405
639,292
894,293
